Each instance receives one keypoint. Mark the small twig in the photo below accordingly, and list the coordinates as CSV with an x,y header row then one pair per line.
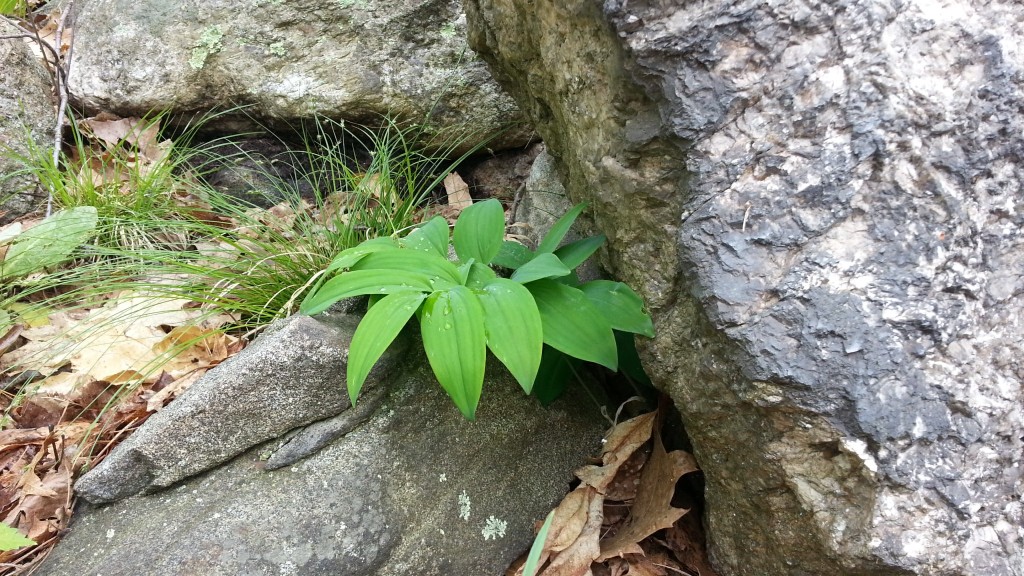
x,y
63,70
515,204
746,214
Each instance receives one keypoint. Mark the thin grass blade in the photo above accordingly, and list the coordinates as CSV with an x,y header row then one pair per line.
x,y
533,558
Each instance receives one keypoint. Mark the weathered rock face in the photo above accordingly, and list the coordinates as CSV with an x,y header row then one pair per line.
x,y
356,59
821,203
286,379
413,489
26,115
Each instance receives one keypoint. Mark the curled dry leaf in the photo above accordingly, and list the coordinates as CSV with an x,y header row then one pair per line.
x,y
624,439
458,191
576,558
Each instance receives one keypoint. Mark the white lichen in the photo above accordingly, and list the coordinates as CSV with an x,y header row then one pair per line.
x,y
464,505
494,528
448,31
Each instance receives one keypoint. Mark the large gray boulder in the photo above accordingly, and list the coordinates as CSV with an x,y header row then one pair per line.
x,y
288,61
414,489
27,121
821,204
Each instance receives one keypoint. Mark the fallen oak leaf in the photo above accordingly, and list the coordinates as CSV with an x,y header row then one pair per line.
x,y
42,507
569,521
652,509
627,480
31,485
17,437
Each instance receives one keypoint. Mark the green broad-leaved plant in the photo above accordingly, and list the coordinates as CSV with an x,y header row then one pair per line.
x,y
465,308
48,243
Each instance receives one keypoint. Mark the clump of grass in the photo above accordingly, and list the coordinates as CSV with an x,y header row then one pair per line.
x,y
164,231
129,170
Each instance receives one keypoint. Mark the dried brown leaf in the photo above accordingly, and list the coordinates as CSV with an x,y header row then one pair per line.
x,y
652,509
624,439
458,191
627,480
571,516
576,558
157,401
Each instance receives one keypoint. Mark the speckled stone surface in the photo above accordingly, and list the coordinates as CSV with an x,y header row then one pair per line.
x,y
415,489
27,116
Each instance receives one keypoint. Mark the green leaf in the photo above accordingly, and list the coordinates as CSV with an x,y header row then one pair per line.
x,y
533,558
359,282
452,327
50,242
543,266
12,539
479,231
348,258
620,305
464,271
554,236
479,276
376,331
573,325
576,253
411,261
430,237
512,255
556,368
12,8
514,332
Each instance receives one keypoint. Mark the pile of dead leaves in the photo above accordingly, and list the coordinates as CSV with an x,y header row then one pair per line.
x,y
91,391
621,520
